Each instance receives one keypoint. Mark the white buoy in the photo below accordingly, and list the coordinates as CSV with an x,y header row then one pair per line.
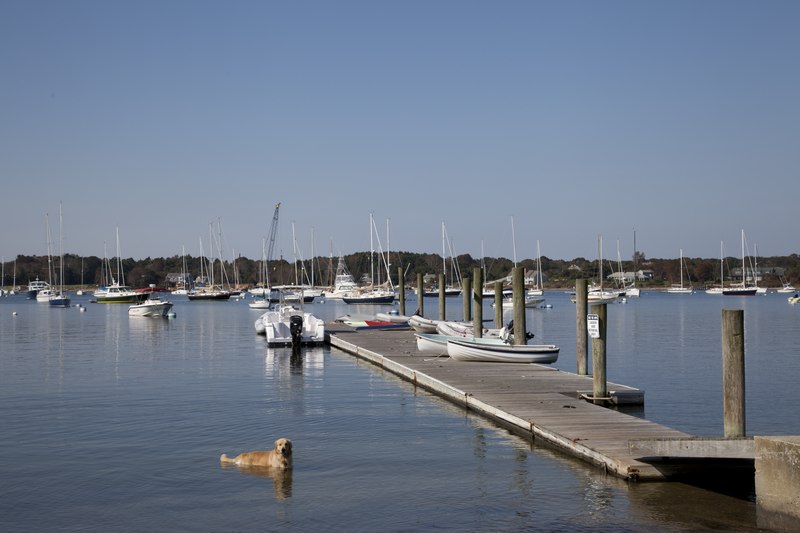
x,y
83,309
171,315
14,313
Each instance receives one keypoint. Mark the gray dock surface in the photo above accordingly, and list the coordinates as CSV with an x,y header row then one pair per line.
x,y
535,401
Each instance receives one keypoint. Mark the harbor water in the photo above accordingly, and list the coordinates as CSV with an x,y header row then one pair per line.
x,y
116,423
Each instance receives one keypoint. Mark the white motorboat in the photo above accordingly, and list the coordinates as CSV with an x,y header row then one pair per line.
x,y
286,325
343,283
152,306
35,286
494,350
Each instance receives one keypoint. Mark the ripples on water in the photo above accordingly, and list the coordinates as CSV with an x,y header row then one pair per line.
x,y
116,423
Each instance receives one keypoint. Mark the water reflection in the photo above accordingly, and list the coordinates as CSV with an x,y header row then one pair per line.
x,y
284,361
281,478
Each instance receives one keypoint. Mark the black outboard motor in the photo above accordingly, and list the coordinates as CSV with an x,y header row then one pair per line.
x,y
296,329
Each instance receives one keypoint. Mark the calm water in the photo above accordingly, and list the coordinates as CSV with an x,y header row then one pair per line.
x,y
116,423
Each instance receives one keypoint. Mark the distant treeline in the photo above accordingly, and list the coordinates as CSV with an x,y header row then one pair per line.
x,y
557,273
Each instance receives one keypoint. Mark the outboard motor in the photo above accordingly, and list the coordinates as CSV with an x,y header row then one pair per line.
x,y
296,329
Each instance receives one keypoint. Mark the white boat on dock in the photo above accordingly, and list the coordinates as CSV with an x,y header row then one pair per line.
x,y
497,351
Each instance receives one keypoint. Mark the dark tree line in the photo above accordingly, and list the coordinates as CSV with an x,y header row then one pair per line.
x,y
557,273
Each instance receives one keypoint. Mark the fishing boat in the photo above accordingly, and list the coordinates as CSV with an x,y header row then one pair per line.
x,y
343,284
35,286
285,325
152,306
490,350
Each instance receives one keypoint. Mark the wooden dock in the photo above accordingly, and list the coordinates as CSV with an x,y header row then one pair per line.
x,y
535,401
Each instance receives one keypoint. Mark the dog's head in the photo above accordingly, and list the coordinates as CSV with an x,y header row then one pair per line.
x,y
284,447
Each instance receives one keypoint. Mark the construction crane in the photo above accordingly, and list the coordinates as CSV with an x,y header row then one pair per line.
x,y
273,229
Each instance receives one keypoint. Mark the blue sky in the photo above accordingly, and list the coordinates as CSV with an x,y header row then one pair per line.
x,y
679,119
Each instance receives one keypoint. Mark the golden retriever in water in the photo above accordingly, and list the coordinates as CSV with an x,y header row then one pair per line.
x,y
280,457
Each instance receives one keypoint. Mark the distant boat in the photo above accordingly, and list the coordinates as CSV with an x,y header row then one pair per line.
x,y
490,350
153,307
680,289
375,296
118,292
35,286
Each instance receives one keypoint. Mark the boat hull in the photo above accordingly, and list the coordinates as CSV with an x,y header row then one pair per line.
x,y
152,309
388,299
486,350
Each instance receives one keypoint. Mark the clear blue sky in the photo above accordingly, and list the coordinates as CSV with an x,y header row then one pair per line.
x,y
680,119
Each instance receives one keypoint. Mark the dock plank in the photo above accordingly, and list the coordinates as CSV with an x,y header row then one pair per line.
x,y
535,401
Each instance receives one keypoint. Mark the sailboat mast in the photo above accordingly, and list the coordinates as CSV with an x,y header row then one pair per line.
x,y
371,253
514,241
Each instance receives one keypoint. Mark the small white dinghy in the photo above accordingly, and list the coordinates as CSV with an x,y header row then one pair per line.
x,y
495,350
153,306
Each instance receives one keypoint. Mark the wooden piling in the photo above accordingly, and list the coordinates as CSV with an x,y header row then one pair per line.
x,y
477,302
498,304
581,335
520,327
599,382
466,289
442,298
733,396
420,295
401,289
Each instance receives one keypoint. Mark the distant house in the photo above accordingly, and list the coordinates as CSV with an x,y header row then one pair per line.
x,y
177,279
627,277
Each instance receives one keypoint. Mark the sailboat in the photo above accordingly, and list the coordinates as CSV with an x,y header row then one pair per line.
x,y
450,289
597,295
740,289
45,293
680,289
632,289
373,294
181,289
60,299
718,290
117,292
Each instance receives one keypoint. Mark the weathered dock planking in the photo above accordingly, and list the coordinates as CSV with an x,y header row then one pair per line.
x,y
536,401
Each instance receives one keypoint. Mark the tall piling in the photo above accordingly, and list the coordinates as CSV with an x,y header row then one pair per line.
x,y
420,295
733,396
581,334
477,302
442,298
599,381
401,290
520,327
466,290
498,304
